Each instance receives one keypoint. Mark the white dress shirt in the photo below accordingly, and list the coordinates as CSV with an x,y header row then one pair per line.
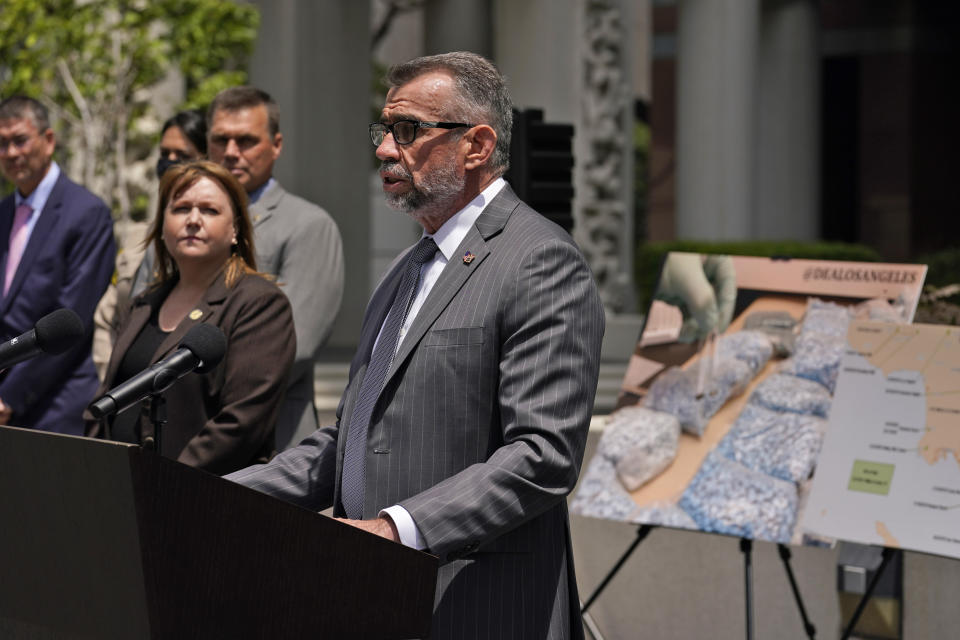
x,y
448,237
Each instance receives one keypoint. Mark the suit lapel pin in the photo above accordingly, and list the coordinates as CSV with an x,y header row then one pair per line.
x,y
468,257
195,314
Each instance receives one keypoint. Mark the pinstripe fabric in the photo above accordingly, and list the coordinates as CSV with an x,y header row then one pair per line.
x,y
383,353
480,427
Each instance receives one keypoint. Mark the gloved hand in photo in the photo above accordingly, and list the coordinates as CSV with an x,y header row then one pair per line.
x,y
704,287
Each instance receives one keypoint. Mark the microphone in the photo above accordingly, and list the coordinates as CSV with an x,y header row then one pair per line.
x,y
201,350
54,333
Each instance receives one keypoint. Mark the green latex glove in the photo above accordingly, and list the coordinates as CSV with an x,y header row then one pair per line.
x,y
705,290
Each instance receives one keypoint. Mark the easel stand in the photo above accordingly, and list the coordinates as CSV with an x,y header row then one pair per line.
x,y
642,532
888,555
746,548
808,627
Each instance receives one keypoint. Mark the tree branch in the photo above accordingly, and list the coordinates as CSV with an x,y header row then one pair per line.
x,y
87,120
125,76
60,112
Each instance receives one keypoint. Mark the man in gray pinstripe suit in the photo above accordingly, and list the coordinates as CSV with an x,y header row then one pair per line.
x,y
476,433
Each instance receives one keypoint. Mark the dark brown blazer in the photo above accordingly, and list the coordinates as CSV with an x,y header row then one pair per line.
x,y
223,420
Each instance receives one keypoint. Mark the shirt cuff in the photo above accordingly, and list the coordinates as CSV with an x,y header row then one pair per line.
x,y
406,527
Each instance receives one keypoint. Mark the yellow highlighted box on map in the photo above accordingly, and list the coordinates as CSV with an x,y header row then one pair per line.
x,y
871,477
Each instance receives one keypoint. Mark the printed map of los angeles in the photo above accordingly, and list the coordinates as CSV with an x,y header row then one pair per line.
x,y
889,471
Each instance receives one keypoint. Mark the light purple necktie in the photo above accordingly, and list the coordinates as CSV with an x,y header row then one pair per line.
x,y
18,242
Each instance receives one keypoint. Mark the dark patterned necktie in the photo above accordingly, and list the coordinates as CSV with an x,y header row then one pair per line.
x,y
354,457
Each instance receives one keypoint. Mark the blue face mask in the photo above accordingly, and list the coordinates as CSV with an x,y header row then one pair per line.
x,y
165,163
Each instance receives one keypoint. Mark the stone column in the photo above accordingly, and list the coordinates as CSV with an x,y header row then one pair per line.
x,y
550,78
582,74
787,182
603,211
716,72
314,59
458,25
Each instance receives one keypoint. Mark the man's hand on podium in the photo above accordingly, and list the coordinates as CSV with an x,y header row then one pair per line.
x,y
382,527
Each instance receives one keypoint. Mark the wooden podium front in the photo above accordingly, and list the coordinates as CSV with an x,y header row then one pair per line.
x,y
103,540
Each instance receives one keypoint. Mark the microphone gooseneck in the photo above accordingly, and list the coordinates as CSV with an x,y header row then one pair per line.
x,y
201,350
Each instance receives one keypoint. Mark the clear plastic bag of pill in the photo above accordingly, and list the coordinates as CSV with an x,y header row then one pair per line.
x,y
786,392
726,497
783,445
751,347
817,357
825,317
664,514
675,391
600,494
641,443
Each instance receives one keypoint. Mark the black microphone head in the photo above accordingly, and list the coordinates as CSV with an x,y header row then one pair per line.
x,y
58,331
207,343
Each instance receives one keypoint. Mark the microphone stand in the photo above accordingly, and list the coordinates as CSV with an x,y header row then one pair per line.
x,y
158,417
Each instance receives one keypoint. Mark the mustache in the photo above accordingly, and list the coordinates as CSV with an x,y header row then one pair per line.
x,y
394,169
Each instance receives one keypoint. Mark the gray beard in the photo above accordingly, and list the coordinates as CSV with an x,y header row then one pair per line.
x,y
432,195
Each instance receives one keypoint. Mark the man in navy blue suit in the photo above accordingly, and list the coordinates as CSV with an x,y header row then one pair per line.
x,y
56,250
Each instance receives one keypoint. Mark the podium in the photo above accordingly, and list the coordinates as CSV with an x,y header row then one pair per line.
x,y
103,540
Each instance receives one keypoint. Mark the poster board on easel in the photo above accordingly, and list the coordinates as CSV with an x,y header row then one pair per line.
x,y
764,288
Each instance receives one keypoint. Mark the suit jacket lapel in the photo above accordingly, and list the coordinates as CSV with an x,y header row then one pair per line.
x,y
263,210
205,310
139,316
457,272
42,230
6,223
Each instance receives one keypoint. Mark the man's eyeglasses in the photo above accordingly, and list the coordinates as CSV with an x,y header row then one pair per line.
x,y
404,131
19,142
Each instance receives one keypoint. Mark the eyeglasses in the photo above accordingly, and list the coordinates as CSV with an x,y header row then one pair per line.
x,y
19,142
404,131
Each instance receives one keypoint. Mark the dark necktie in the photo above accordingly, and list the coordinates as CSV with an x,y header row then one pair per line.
x,y
354,457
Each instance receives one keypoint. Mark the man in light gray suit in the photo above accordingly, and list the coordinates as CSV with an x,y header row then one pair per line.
x,y
463,425
296,240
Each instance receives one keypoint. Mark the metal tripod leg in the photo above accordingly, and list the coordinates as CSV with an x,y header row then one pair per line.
x,y
642,532
888,554
746,547
808,627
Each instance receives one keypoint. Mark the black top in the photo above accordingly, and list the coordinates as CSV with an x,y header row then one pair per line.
x,y
126,424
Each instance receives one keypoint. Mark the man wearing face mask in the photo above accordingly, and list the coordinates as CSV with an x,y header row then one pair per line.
x,y
183,138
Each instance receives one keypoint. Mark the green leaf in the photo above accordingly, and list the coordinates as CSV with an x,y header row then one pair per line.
x,y
210,41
